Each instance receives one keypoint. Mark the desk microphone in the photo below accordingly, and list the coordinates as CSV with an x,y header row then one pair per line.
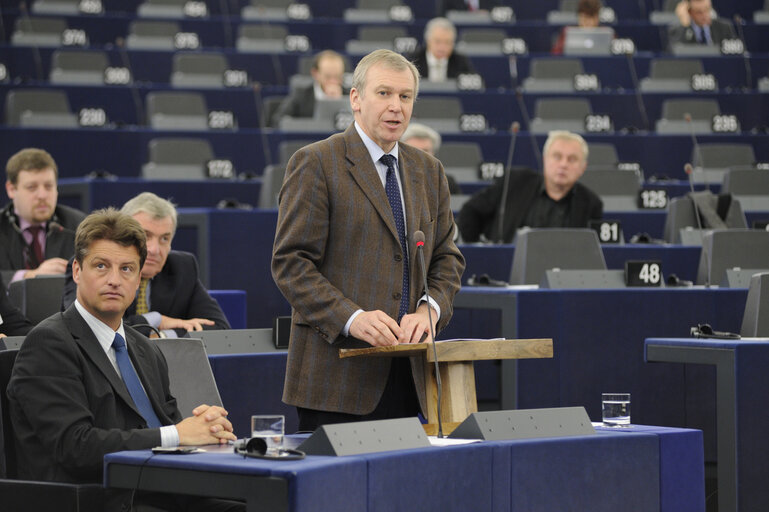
x,y
419,241
121,48
637,88
527,120
689,170
514,128
54,226
739,22
696,150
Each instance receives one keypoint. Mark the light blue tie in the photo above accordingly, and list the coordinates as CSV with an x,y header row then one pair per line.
x,y
394,196
133,383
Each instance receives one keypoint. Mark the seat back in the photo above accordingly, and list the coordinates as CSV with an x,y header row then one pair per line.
x,y
190,377
562,108
178,158
177,110
602,155
722,156
681,215
37,298
78,67
698,109
755,321
198,70
549,68
724,249
539,250
272,181
152,35
33,107
675,68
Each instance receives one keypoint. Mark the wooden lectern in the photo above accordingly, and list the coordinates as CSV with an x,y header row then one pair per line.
x,y
455,360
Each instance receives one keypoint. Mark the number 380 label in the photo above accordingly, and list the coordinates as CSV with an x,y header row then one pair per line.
x,y
643,273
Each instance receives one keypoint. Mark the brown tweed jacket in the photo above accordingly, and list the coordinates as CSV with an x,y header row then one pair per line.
x,y
337,250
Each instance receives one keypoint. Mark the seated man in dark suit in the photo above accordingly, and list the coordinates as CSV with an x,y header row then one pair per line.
x,y
551,199
327,75
437,61
36,234
12,321
171,297
84,384
697,25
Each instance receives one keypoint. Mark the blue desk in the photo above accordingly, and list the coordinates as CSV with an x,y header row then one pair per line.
x,y
88,194
742,390
598,346
497,260
639,469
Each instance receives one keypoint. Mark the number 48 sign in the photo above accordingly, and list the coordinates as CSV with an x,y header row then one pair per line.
x,y
643,273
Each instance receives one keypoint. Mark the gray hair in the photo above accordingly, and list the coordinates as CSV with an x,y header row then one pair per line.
x,y
421,131
390,60
564,135
443,23
154,206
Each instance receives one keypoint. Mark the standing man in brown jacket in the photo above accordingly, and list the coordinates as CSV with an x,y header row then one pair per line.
x,y
345,260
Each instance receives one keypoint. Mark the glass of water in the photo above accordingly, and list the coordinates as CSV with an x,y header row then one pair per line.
x,y
270,428
616,409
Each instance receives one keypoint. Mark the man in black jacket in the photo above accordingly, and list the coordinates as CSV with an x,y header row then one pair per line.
x,y
36,234
437,61
551,199
327,75
84,384
171,297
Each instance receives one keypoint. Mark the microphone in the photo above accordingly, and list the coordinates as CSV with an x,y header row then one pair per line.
x,y
637,88
514,128
54,226
419,242
120,44
689,170
527,119
35,47
739,22
696,150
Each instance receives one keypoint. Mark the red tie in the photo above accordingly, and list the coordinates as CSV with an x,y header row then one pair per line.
x,y
36,250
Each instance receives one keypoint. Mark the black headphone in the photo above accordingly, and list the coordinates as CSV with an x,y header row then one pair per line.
x,y
256,448
706,331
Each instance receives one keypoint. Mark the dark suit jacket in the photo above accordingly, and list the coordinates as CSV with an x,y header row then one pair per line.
x,y
176,292
59,243
337,250
69,406
479,215
458,64
14,322
719,30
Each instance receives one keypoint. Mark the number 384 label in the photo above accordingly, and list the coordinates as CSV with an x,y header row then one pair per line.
x,y
643,273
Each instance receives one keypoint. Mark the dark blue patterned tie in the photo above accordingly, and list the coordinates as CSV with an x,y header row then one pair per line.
x,y
133,384
394,196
